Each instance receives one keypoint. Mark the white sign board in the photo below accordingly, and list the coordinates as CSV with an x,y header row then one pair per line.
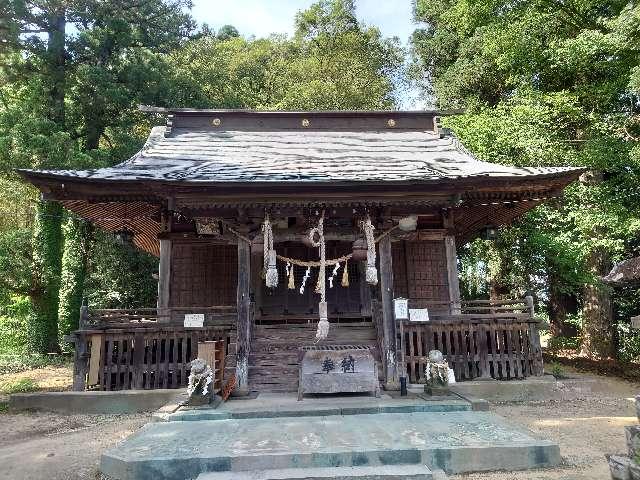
x,y
401,308
194,319
419,314
635,322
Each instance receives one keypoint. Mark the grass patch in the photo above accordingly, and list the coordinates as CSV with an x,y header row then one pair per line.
x,y
557,370
24,385
4,407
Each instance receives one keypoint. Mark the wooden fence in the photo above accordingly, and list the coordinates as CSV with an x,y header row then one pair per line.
x,y
130,349
486,345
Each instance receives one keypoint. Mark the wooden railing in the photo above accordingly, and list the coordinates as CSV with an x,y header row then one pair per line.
x,y
490,307
488,340
142,349
145,317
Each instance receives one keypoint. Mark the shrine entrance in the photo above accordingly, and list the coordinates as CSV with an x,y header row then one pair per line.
x,y
346,303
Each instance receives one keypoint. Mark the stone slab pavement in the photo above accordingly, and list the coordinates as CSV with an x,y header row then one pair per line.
x,y
456,442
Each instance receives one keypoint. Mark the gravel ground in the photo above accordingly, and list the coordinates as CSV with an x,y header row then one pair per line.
x,y
56,447
59,447
585,429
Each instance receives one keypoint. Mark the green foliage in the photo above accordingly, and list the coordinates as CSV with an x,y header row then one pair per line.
x,y
556,344
69,97
120,276
13,324
557,370
74,267
24,385
71,77
42,327
332,62
546,84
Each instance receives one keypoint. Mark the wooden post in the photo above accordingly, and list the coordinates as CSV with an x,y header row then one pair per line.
x,y
80,364
164,281
452,274
138,361
243,330
389,350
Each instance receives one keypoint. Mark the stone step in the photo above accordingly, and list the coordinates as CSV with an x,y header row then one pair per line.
x,y
457,442
385,472
313,408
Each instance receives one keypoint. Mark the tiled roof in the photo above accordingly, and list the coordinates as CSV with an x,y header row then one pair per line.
x,y
221,156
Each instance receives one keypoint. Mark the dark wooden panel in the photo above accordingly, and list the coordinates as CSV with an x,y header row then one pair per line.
x,y
399,259
427,270
420,272
203,275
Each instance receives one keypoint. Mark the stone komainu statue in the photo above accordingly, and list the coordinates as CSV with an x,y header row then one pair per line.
x,y
200,383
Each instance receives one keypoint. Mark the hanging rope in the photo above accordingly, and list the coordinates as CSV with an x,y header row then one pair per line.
x,y
312,263
323,324
271,271
372,271
345,275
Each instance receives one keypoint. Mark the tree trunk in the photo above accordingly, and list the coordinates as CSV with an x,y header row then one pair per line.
x,y
47,245
56,66
561,305
74,268
598,335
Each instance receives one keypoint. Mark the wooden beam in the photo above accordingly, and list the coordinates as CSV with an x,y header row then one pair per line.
x,y
389,350
164,281
243,329
452,273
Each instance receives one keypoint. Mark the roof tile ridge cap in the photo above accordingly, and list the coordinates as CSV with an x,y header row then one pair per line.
x,y
156,135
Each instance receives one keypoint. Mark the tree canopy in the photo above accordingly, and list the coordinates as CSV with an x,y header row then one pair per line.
x,y
548,83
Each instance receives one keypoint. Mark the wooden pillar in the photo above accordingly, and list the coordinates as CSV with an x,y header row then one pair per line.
x,y
389,348
80,363
164,281
452,274
243,328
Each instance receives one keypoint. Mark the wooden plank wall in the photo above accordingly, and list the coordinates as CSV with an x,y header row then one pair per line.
x,y
499,348
203,274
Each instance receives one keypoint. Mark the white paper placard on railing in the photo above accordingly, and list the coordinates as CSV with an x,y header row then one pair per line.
x,y
419,314
194,319
401,308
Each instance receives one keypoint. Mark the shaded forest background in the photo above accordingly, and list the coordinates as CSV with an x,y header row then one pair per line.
x,y
542,83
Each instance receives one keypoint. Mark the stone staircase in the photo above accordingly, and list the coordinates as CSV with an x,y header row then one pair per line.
x,y
273,361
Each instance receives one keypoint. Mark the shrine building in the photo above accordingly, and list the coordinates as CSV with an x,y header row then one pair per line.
x,y
268,225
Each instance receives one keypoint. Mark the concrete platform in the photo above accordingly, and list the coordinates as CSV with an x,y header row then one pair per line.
x,y
461,441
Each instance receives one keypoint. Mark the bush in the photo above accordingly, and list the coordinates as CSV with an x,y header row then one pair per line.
x,y
557,370
556,344
24,385
13,326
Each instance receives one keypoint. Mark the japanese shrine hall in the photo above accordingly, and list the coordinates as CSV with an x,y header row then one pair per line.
x,y
227,200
